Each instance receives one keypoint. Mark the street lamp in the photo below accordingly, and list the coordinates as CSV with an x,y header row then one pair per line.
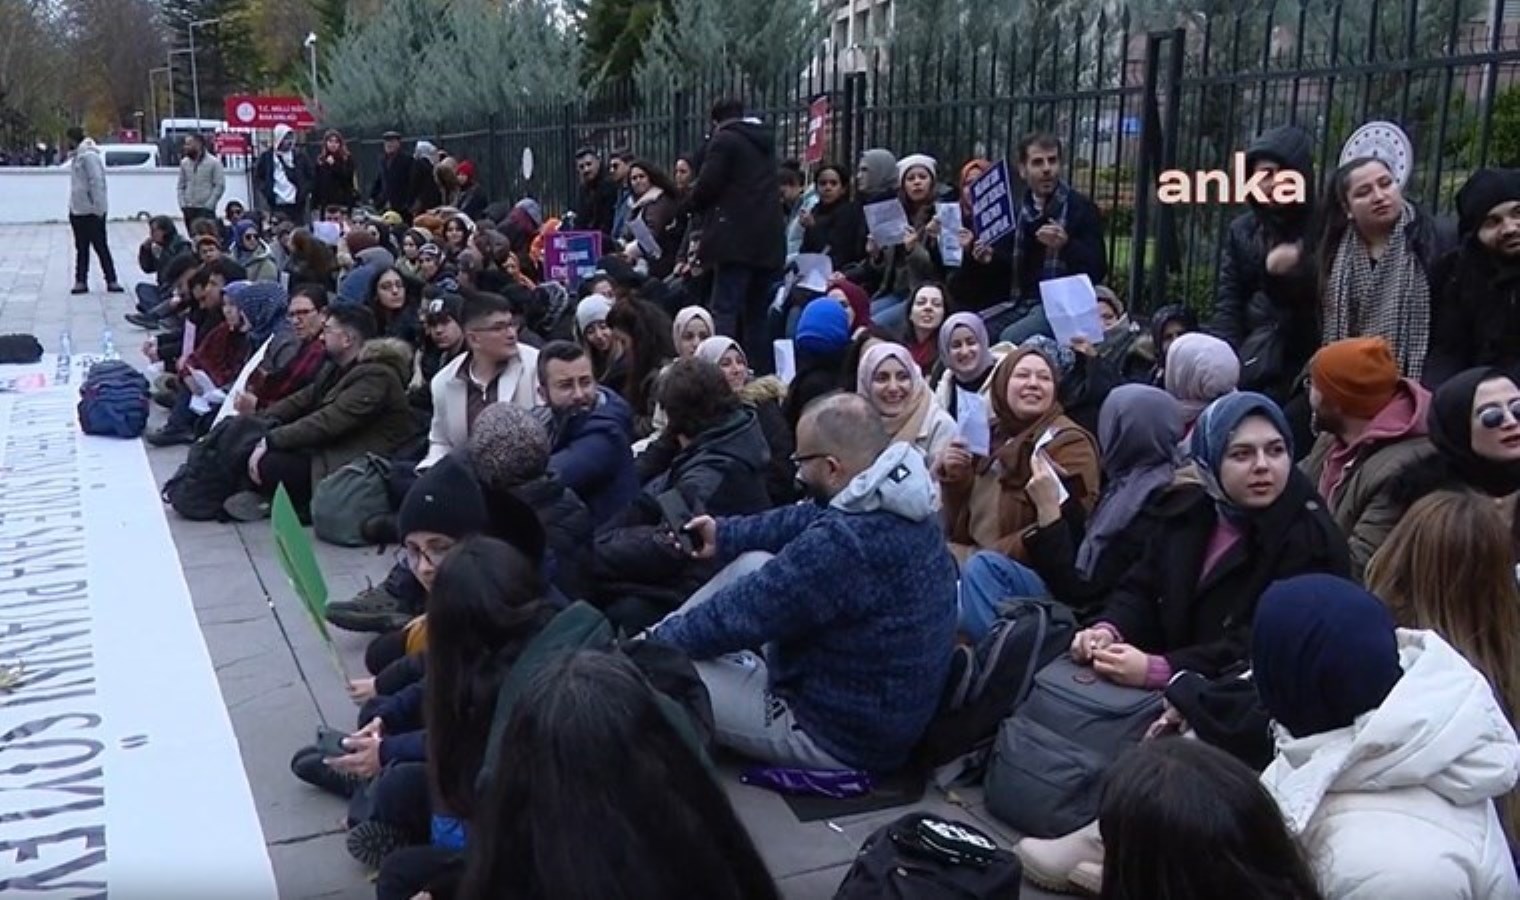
x,y
153,94
195,84
311,49
172,54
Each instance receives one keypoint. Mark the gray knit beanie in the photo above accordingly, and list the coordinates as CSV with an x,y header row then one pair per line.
x,y
508,447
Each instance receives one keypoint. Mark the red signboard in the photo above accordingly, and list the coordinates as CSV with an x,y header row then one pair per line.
x,y
248,111
232,143
129,135
818,117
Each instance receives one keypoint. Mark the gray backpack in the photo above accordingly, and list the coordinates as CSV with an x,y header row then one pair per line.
x,y
349,497
1049,758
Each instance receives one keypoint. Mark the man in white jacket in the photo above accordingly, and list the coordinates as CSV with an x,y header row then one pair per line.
x,y
494,369
1391,748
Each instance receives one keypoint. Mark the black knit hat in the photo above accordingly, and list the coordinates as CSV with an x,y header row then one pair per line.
x,y
1486,189
445,500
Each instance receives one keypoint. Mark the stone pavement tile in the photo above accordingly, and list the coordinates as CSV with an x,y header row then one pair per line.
x,y
816,885
318,868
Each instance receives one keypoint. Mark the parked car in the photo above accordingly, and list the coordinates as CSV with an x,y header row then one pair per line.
x,y
126,156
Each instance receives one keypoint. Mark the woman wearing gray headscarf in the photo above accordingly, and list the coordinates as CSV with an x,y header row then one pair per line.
x,y
1200,368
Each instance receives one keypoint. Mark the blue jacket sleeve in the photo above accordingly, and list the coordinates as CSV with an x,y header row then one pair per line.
x,y
794,594
769,531
584,464
408,747
402,711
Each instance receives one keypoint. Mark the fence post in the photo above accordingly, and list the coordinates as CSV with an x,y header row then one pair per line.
x,y
854,95
493,158
1166,234
1150,140
679,105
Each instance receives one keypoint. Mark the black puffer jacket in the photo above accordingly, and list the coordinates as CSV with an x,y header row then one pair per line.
x,y
567,533
738,190
721,473
838,229
1272,321
1475,313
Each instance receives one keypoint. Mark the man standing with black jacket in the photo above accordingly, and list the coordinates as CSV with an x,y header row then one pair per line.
x,y
596,207
745,237
393,183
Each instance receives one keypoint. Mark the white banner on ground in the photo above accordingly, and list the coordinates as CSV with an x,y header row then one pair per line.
x,y
119,771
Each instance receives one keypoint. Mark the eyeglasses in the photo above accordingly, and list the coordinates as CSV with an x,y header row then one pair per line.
x,y
410,556
1494,415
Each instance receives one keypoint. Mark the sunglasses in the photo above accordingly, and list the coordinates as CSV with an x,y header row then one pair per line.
x,y
1494,415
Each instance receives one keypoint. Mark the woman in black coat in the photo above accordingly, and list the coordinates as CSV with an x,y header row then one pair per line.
x,y
836,225
334,183
1187,603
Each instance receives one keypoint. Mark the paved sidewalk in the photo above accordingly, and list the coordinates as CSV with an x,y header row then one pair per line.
x,y
276,678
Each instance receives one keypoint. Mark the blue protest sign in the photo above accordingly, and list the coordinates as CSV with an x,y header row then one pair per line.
x,y
570,256
992,205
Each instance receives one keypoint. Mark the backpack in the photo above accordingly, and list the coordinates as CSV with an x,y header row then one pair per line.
x,y
213,470
349,497
114,400
993,679
1048,762
925,857
20,348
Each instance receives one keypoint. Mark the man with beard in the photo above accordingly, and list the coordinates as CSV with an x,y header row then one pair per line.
x,y
596,207
201,182
590,431
1266,305
849,679
1476,318
1372,436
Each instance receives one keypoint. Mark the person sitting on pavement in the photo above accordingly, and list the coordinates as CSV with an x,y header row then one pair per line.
x,y
201,286
640,573
1391,748
986,500
892,382
1198,370
357,406
1186,603
163,244
441,319
295,356
251,311
1372,432
849,678
590,431
765,396
495,369
965,360
1475,321
252,253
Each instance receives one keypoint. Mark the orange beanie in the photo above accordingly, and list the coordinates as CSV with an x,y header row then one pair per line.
x,y
1358,375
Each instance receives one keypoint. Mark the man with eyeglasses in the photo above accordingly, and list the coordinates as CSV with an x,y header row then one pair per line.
x,y
1372,437
856,610
494,369
295,357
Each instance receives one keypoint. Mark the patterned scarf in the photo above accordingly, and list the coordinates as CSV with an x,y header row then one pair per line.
x,y
1031,220
1390,300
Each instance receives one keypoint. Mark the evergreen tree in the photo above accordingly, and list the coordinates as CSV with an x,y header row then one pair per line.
x,y
614,34
490,56
762,46
375,68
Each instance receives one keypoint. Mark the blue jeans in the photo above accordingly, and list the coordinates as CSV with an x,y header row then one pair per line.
x,y
987,579
741,299
1032,323
889,312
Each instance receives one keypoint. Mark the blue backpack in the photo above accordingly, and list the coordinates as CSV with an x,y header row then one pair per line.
x,y
114,400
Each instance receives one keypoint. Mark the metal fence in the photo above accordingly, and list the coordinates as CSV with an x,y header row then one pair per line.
x,y
1128,102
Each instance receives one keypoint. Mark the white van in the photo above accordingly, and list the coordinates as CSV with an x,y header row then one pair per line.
x,y
126,156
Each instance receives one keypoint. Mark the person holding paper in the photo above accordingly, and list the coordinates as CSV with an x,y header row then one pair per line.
x,y
896,269
1059,233
987,505
220,355
890,379
649,234
764,396
965,361
1080,560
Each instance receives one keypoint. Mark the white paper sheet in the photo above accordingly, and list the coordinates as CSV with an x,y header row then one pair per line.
x,y
1039,449
972,422
786,360
950,250
813,271
888,222
187,345
647,243
1071,305
241,384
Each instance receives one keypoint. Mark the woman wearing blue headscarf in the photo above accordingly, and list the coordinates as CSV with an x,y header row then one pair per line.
x,y
1187,603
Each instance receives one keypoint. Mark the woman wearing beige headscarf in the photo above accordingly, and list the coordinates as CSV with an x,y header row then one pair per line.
x,y
890,379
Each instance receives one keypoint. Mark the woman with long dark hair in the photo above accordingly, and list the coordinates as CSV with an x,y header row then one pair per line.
x,y
1182,820
396,300
1376,258
602,793
644,332
656,202
311,261
836,225
334,183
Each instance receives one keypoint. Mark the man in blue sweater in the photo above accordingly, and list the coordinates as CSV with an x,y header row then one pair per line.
x,y
856,609
590,431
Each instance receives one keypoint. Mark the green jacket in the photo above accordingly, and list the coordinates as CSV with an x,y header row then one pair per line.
x,y
1367,504
347,413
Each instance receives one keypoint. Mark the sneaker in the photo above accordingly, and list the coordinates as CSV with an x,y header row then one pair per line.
x,y
373,609
113,287
308,766
143,320
1087,877
247,506
370,842
170,436
79,288
1050,863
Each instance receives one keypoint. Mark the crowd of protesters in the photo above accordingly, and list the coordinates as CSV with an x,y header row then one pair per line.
x,y
628,541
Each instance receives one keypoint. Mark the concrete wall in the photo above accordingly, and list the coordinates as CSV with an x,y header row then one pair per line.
x,y
42,195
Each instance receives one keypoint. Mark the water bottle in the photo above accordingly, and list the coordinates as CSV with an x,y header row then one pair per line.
x,y
107,345
66,345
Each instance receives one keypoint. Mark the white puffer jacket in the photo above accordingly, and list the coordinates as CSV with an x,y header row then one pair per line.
x,y
1399,806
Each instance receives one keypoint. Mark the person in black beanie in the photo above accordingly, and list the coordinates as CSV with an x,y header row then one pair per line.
x,y
1475,319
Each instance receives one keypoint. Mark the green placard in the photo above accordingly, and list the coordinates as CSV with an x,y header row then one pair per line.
x,y
299,560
